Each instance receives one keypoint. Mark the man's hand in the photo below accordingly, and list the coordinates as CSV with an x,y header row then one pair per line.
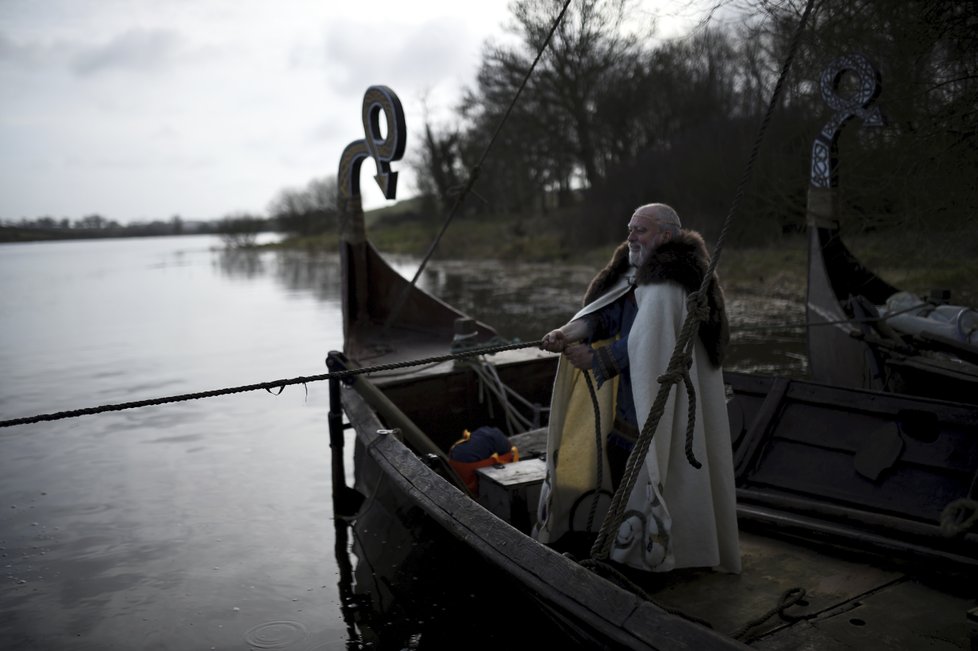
x,y
580,355
555,341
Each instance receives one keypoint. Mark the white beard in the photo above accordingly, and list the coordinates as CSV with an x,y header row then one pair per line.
x,y
636,258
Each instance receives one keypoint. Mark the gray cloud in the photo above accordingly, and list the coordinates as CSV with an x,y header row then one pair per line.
x,y
32,54
8,49
359,54
136,49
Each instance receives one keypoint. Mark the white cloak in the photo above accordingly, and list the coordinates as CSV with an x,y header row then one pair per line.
x,y
676,515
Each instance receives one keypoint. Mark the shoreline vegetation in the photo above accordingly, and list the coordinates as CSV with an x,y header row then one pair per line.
x,y
909,259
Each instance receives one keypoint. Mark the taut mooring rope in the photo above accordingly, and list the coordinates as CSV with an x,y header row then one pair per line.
x,y
268,386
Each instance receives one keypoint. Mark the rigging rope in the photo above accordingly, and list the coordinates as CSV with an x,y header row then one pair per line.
x,y
474,173
268,386
959,517
697,310
491,383
854,320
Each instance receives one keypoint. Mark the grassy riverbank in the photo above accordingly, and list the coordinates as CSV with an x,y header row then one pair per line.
x,y
945,261
915,260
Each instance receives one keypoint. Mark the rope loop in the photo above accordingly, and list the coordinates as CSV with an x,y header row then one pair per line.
x,y
789,598
685,362
690,421
679,371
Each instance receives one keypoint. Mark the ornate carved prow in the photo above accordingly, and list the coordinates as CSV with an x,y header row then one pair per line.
x,y
822,192
834,356
383,149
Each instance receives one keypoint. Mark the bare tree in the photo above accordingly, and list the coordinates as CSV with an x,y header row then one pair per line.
x,y
308,211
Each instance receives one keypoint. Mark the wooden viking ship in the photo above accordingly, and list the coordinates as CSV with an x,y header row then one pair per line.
x,y
849,497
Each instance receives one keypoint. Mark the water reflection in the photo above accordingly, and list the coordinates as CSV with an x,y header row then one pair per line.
x,y
304,272
240,262
316,273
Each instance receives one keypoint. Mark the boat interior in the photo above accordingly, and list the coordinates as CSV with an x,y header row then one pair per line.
x,y
928,352
840,497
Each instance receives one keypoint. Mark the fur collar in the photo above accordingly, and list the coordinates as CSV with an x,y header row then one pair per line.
x,y
683,260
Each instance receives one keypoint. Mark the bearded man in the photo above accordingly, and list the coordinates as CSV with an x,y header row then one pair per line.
x,y
676,515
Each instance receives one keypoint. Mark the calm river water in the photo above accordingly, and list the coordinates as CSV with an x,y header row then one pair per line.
x,y
206,524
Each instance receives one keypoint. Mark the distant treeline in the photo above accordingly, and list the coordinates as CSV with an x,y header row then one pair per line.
x,y
96,226
613,118
296,212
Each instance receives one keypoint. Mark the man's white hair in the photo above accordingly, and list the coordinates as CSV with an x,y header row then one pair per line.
x,y
662,214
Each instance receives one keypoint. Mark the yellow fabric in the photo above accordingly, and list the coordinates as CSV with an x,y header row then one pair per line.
x,y
571,440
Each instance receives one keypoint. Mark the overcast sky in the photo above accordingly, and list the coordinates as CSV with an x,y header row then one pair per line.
x,y
145,109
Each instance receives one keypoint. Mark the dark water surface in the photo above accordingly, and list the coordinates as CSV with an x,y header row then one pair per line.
x,y
208,524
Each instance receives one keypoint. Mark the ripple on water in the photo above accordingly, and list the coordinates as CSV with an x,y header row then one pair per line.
x,y
273,635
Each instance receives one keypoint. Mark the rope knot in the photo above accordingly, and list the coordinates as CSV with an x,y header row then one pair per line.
x,y
678,370
672,377
697,306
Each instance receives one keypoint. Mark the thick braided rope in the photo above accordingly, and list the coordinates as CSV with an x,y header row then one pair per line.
x,y
268,386
681,358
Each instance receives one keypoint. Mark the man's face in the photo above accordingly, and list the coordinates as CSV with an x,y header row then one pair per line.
x,y
644,234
